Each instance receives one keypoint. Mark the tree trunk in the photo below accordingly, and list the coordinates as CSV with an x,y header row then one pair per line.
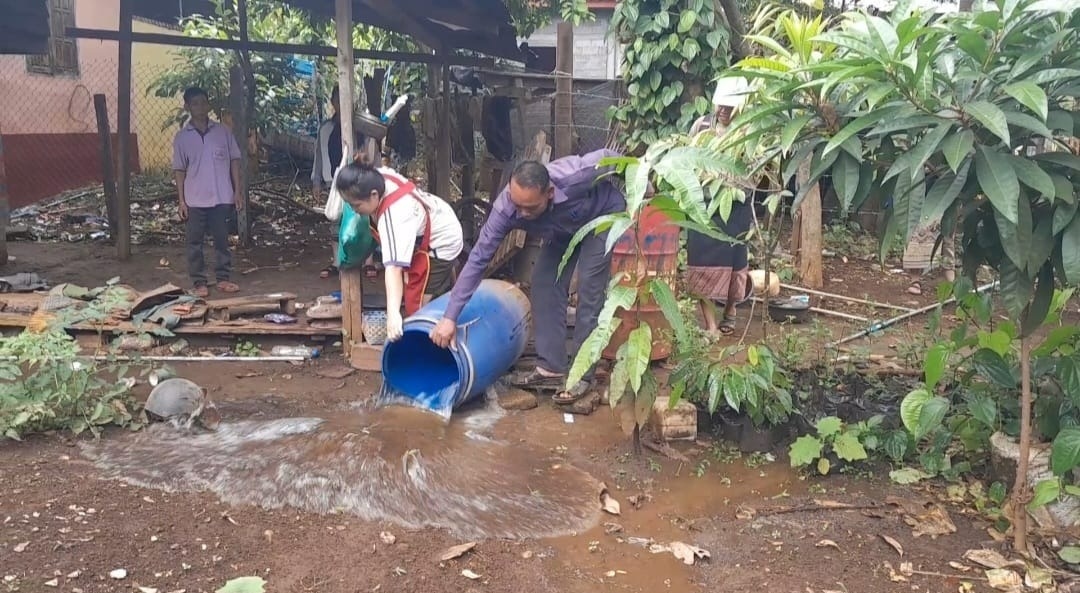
x,y
1020,495
730,9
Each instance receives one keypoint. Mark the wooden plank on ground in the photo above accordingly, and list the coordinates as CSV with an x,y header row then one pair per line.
x,y
212,328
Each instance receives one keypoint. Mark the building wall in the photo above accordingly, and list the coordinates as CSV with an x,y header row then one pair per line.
x,y
149,112
596,54
42,104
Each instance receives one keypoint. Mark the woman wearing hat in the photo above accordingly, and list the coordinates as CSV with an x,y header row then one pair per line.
x,y
718,272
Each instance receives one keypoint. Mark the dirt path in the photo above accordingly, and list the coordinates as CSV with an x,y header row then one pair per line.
x,y
72,526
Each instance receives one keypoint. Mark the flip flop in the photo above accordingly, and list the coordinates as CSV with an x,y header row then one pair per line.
x,y
226,286
202,291
534,379
575,393
727,326
328,271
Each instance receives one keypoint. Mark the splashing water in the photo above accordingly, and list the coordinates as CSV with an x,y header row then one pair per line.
x,y
397,464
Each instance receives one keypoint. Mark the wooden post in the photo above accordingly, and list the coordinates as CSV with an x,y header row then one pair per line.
x,y
430,125
444,148
564,88
242,103
237,109
808,231
467,137
351,277
123,130
108,172
5,211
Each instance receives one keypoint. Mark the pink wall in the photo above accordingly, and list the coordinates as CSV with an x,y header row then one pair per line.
x,y
39,104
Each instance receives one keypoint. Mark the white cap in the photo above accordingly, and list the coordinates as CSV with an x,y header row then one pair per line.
x,y
731,92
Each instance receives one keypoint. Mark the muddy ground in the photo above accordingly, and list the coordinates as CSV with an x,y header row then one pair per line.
x,y
64,528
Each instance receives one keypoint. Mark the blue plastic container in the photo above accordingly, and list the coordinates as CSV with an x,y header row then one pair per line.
x,y
492,332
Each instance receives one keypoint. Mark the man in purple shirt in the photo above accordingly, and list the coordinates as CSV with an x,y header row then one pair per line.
x,y
552,202
206,163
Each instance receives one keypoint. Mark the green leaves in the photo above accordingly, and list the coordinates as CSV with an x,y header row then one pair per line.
x,y
1070,251
991,366
934,364
1029,95
911,407
804,451
998,181
847,447
244,585
957,147
829,426
922,413
1065,451
992,117
1045,492
686,21
639,348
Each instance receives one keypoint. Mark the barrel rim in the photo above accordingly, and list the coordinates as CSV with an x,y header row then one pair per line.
x,y
461,355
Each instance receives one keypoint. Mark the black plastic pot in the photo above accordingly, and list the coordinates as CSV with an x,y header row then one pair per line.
x,y
789,311
731,427
759,440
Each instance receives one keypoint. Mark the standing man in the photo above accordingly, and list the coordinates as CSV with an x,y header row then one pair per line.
x,y
552,202
206,164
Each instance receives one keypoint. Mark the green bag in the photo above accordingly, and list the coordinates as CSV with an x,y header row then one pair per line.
x,y
355,241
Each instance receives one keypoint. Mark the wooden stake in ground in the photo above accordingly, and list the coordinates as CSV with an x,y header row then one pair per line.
x,y
1020,493
807,236
4,208
108,172
351,278
123,130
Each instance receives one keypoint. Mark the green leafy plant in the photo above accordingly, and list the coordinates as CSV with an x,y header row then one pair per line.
x,y
759,388
45,385
683,171
674,49
958,118
835,441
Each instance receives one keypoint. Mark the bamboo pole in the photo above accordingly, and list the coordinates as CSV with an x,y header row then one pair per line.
x,y
846,298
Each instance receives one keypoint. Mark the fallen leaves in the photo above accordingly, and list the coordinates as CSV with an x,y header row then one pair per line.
x,y
924,518
893,543
607,502
1004,579
470,574
244,585
456,551
687,553
827,543
988,559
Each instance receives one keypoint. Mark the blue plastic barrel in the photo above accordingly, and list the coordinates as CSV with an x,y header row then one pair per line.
x,y
492,331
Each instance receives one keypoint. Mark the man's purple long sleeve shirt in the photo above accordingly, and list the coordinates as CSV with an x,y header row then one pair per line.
x,y
580,197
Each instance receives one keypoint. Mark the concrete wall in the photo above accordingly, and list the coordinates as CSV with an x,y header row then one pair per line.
x,y
41,104
596,55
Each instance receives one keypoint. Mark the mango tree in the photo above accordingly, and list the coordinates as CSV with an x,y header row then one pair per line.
x,y
958,118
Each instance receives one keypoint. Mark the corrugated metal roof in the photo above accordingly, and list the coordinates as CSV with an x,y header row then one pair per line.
x,y
478,25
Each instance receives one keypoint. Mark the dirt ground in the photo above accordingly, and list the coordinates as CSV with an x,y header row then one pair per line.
x,y
64,528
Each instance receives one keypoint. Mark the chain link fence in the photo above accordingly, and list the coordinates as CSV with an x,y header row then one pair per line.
x,y
54,152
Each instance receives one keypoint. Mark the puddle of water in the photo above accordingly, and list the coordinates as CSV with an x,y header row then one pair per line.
x,y
681,508
398,464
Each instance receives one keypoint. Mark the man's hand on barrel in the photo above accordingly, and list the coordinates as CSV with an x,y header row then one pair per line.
x,y
443,333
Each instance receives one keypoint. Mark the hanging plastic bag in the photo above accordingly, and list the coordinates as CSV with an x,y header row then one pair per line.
x,y
355,241
334,203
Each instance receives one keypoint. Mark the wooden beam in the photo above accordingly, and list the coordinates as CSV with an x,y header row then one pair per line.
x,y
5,211
808,258
443,135
123,130
351,277
238,115
281,48
564,90
108,170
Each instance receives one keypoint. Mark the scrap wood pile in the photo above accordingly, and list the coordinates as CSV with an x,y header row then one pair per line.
x,y
281,214
27,301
